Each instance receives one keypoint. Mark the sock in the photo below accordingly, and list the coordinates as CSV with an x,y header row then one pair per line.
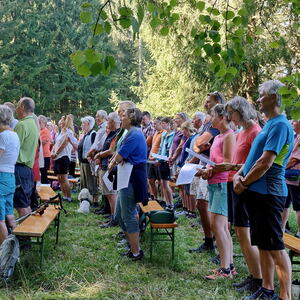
x,y
209,241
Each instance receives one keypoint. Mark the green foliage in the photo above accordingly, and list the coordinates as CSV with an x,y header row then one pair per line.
x,y
40,43
234,42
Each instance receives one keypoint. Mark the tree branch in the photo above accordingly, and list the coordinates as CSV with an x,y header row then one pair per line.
x,y
98,18
262,21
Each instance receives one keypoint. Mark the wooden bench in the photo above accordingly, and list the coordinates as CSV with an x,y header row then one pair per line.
x,y
51,172
159,231
35,227
293,244
73,181
45,192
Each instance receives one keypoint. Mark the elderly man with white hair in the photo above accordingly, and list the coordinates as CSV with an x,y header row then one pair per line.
x,y
101,121
87,179
262,184
28,134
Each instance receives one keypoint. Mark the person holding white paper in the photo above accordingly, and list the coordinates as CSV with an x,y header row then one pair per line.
x,y
164,167
113,125
133,150
221,152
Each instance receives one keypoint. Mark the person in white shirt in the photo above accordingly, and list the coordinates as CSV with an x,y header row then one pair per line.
x,y
9,151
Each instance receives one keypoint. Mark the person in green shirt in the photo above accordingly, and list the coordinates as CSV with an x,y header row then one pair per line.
x,y
28,134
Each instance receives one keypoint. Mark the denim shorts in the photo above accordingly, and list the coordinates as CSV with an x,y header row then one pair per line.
x,y
7,189
126,210
217,198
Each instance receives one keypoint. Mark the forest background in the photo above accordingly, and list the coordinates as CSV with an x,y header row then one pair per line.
x,y
78,56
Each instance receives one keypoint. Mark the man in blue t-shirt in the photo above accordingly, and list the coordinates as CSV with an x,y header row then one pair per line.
x,y
261,181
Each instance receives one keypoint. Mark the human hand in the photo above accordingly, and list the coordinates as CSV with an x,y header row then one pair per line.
x,y
206,174
238,186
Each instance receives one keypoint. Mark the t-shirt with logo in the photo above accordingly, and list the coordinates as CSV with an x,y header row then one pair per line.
x,y
276,136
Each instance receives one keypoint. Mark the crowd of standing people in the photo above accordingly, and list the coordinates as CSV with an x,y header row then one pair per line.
x,y
248,182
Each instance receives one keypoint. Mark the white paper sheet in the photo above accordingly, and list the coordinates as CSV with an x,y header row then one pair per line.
x,y
124,172
151,161
187,173
201,157
107,182
158,156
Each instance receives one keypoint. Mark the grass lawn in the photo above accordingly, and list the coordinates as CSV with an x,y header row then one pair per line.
x,y
86,265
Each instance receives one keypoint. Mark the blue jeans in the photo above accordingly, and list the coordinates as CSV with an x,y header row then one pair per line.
x,y
7,189
126,210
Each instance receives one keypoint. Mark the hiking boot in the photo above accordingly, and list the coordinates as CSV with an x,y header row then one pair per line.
x,y
202,248
252,286
138,257
219,274
262,293
242,283
216,260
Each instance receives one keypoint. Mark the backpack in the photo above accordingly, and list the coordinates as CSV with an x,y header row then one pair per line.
x,y
9,255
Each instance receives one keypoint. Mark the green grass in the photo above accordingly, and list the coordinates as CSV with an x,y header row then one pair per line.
x,y
86,265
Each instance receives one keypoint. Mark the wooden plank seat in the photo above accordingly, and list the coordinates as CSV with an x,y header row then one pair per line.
x,y
293,244
159,232
35,227
45,193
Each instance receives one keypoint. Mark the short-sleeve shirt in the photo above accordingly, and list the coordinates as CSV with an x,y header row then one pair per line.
x,y
133,147
295,154
244,140
156,142
276,136
10,146
28,134
213,131
45,137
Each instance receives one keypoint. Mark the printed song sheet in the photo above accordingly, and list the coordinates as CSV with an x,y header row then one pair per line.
x,y
187,173
107,182
200,156
124,172
158,156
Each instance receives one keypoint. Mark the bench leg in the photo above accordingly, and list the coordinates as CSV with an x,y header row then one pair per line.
x,y
41,251
173,243
57,222
151,242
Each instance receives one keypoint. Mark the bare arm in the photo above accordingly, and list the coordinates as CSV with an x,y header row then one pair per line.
x,y
202,140
292,162
262,165
62,146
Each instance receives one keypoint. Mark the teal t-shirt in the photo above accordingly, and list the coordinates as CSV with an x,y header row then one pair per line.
x,y
276,136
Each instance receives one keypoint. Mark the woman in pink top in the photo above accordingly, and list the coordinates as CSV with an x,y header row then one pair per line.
x,y
241,114
221,151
